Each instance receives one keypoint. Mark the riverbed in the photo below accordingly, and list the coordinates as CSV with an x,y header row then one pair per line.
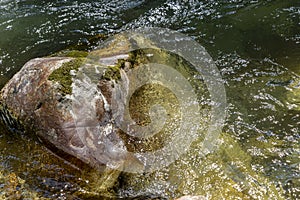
x,y
255,45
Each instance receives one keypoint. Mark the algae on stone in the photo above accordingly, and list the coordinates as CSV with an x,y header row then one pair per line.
x,y
113,72
135,58
63,75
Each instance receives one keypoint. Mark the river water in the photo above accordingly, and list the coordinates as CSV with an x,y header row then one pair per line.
x,y
255,45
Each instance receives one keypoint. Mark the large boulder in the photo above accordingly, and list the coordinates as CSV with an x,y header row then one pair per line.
x,y
40,96
67,102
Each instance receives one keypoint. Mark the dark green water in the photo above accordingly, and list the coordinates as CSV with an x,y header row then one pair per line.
x,y
255,44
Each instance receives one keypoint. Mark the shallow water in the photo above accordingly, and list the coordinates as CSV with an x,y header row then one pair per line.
x,y
255,44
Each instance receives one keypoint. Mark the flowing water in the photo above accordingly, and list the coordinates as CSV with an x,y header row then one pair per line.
x,y
255,44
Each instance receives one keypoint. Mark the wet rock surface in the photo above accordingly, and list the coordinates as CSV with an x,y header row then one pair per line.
x,y
43,105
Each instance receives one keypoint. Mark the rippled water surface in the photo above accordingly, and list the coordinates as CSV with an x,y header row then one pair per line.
x,y
255,44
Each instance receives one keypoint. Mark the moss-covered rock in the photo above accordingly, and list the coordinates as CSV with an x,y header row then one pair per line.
x,y
113,72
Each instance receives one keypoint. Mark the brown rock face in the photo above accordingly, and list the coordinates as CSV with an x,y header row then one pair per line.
x,y
77,123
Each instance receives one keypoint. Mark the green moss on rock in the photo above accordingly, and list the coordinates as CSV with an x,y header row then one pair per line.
x,y
63,75
135,59
113,72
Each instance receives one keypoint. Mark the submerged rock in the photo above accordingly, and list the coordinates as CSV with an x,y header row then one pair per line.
x,y
226,174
